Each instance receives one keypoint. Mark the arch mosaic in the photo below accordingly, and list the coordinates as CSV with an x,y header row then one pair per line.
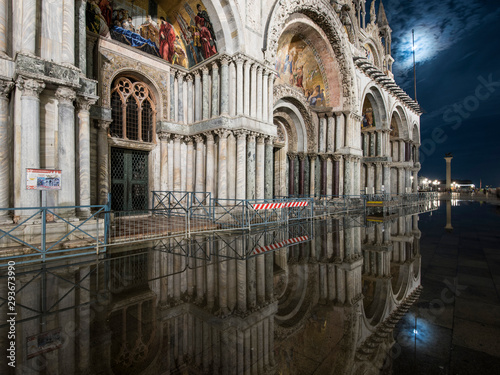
x,y
321,13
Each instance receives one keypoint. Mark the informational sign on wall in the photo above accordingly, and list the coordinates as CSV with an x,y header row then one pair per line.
x,y
43,179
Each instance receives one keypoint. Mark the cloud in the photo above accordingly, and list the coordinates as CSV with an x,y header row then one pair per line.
x,y
438,25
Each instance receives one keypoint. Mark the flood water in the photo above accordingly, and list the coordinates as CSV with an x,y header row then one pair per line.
x,y
405,293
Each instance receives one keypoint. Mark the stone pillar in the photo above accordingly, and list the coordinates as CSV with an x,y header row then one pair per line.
x,y
68,33
200,175
323,157
253,92
177,162
330,134
171,93
339,131
260,168
30,141
248,94
232,89
29,22
322,134
301,156
170,157
370,175
378,177
239,85
348,172
66,147
180,97
197,96
4,21
84,154
189,164
224,86
259,93
190,102
268,169
215,89
164,137
265,97
312,173
336,175
356,175
387,178
401,150
291,172
270,98
241,167
209,174
5,147
231,168
81,6
329,175
251,166
448,172
222,167
103,160
206,94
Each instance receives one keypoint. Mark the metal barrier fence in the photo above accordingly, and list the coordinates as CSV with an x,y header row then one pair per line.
x,y
54,232
178,203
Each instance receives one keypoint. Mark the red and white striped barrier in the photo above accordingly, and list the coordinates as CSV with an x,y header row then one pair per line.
x,y
270,206
263,249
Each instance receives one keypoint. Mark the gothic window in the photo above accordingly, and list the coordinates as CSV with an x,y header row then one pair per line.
x,y
133,110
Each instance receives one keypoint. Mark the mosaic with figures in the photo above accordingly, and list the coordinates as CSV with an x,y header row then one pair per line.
x,y
181,33
298,66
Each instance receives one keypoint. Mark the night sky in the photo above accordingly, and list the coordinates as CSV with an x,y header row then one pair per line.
x,y
457,46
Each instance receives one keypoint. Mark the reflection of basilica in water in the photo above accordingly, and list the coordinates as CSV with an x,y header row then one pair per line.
x,y
316,297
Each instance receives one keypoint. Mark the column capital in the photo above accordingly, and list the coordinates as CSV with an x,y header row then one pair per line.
x,y
196,74
225,60
30,87
204,70
337,157
241,134
215,66
254,66
209,135
198,138
261,138
251,136
302,155
189,78
84,103
65,95
173,72
103,125
291,154
178,137
324,157
239,59
163,135
312,156
180,75
188,140
355,116
222,133
270,140
5,88
259,69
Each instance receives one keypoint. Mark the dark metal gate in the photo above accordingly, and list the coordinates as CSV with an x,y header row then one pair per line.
x,y
129,179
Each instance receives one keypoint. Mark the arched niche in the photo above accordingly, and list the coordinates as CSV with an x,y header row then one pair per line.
x,y
305,61
373,109
399,124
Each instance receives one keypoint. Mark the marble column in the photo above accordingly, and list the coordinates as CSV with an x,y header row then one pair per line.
x,y
197,96
312,173
329,175
268,169
170,158
248,94
322,134
5,146
260,168
302,157
241,148
189,164
336,175
206,94
231,167
81,39
324,158
270,98
348,172
356,176
253,88
180,97
291,171
415,182
103,160
68,33
177,162
215,89
200,175
259,94
224,86
232,89
222,166
189,102
30,141
66,147
29,25
4,21
372,143
330,134
164,137
378,177
84,154
402,150
239,85
265,97
251,166
209,171
339,131
171,93
379,143
387,178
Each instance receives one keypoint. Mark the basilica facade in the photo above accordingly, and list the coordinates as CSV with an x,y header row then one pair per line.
x,y
245,100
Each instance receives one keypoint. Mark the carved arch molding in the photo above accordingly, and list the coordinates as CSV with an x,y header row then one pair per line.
x,y
291,95
323,15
